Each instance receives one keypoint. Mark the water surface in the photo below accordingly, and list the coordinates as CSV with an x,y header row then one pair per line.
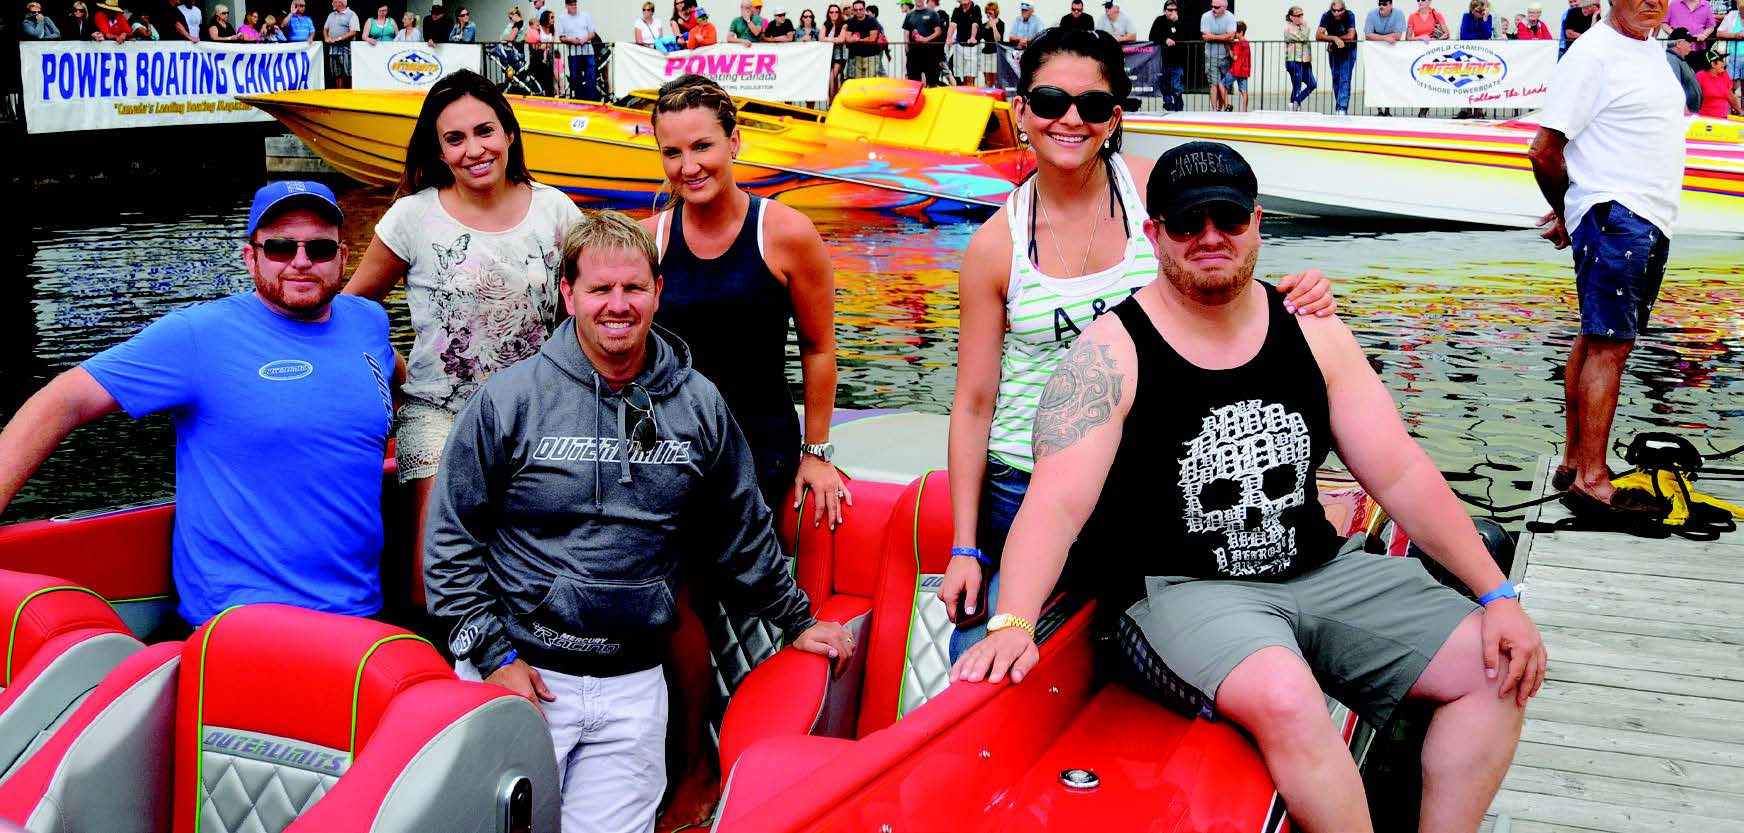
x,y
1470,328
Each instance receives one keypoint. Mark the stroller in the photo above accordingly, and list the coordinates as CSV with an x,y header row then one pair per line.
x,y
513,64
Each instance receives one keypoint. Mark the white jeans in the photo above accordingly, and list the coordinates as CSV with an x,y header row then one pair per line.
x,y
609,733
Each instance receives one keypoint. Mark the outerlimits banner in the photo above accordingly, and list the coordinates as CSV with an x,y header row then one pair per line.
x,y
394,65
1144,62
1482,74
78,85
770,71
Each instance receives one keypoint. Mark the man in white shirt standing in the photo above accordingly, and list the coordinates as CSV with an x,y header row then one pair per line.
x,y
575,31
1609,158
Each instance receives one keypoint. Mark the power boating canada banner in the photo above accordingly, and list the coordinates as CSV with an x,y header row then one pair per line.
x,y
1481,74
394,65
770,71
85,85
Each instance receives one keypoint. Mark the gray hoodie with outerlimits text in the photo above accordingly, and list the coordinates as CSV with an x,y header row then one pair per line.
x,y
550,535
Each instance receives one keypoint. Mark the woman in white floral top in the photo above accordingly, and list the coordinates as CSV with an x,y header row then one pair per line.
x,y
476,241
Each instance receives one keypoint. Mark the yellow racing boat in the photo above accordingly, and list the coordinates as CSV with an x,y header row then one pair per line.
x,y
884,144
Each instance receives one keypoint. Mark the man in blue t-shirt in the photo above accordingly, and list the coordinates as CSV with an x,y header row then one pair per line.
x,y
282,402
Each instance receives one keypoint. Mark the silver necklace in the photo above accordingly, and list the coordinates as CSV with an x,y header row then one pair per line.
x,y
1084,266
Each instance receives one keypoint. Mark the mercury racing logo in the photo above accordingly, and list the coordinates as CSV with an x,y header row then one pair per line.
x,y
570,642
276,751
1459,68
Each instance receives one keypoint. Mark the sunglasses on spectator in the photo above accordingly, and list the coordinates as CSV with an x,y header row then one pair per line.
x,y
646,433
1049,102
284,249
1228,218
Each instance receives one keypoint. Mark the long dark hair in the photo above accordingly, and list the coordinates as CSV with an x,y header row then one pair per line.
x,y
1100,47
424,165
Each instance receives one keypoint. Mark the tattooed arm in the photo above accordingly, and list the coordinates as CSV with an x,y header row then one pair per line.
x,y
1077,430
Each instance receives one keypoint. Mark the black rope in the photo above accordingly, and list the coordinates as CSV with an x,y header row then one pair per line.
x,y
1498,510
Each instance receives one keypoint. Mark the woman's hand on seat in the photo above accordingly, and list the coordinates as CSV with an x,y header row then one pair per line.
x,y
831,640
1006,651
962,580
1308,293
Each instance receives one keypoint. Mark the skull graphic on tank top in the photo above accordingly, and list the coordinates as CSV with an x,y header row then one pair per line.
x,y
1248,465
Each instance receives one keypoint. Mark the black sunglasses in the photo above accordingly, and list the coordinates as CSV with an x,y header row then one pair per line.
x,y
1049,102
283,249
646,432
1228,218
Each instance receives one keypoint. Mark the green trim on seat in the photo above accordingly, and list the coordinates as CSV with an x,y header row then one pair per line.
x,y
159,598
200,714
18,612
912,612
357,681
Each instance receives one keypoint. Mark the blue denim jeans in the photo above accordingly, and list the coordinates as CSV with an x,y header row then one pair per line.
x,y
1171,83
1002,491
584,76
1343,64
1302,83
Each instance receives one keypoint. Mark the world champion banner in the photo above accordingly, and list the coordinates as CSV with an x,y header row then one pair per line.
x,y
396,65
1491,74
83,85
770,71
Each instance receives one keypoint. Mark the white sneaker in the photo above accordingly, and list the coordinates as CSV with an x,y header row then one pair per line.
x,y
1343,113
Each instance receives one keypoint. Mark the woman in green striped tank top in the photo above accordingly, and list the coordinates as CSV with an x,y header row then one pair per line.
x,y
1067,247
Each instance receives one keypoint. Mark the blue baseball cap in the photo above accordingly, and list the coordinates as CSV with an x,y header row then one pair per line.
x,y
274,195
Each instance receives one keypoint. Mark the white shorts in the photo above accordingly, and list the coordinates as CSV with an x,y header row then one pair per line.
x,y
610,732
965,60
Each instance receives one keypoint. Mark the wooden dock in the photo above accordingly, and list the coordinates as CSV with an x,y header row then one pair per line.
x,y
1640,724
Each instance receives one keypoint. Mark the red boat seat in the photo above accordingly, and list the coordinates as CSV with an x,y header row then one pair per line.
x,y
61,641
880,579
273,718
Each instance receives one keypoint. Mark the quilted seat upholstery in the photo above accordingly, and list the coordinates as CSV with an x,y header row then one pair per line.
x,y
273,718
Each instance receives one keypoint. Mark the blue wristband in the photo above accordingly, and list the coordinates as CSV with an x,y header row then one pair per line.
x,y
513,655
971,552
1506,591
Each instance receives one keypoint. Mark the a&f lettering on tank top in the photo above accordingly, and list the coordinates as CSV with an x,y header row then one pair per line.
x,y
1216,467
1046,314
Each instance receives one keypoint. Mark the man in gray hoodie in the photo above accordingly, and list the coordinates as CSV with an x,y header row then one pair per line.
x,y
575,487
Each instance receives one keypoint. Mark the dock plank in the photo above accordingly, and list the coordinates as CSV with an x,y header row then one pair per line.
x,y
1713,804
1640,724
1645,768
1660,714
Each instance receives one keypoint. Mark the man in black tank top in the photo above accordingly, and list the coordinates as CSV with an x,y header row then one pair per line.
x,y
1176,446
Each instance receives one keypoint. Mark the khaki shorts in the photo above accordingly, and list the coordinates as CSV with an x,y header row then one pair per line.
x,y
1367,625
418,440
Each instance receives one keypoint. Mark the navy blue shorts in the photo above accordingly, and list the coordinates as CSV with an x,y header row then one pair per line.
x,y
1619,262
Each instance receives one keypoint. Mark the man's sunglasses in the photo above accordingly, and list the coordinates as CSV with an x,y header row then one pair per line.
x,y
283,249
1049,102
646,432
1228,218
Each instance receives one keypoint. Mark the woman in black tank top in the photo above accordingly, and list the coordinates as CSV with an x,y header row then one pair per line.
x,y
736,269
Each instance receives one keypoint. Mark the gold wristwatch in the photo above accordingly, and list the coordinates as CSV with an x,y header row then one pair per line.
x,y
1010,620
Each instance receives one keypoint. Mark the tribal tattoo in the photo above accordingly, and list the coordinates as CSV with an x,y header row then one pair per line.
x,y
1081,395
